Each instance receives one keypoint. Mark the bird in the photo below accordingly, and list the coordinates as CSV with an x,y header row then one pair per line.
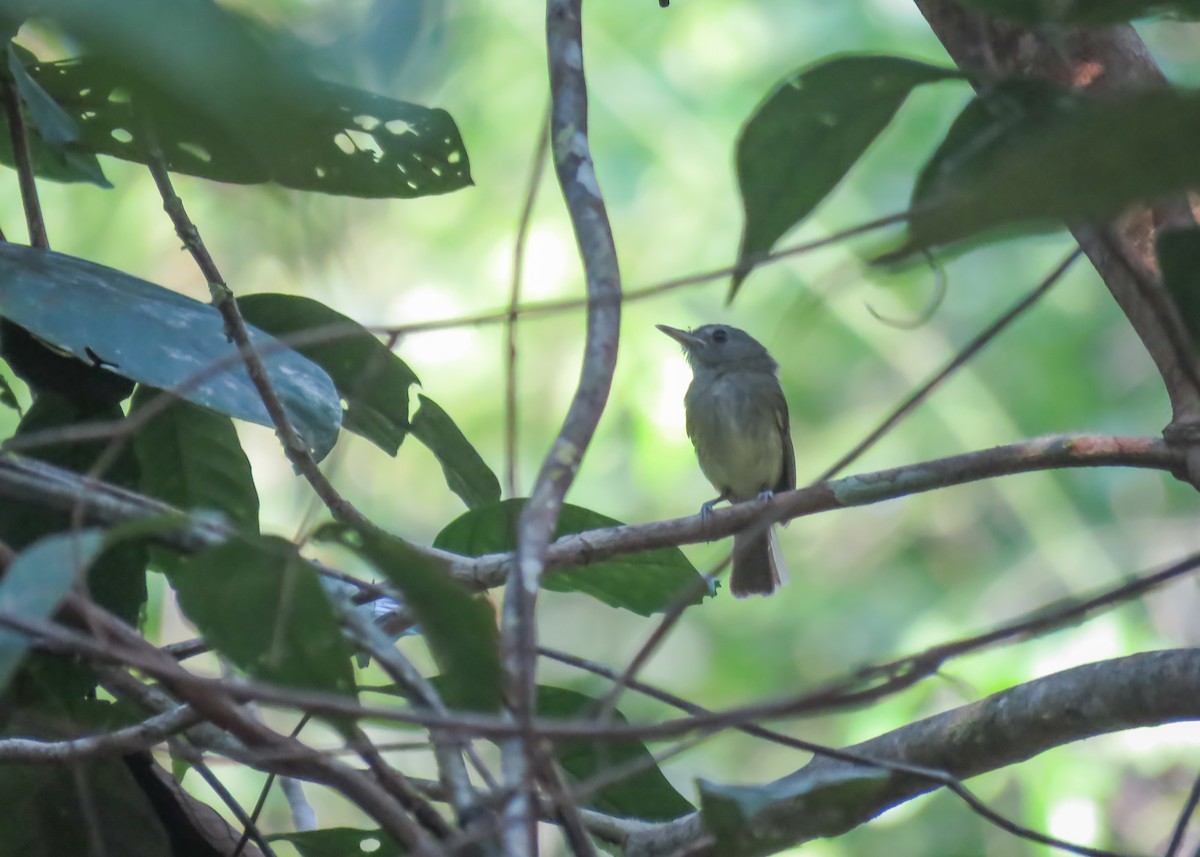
x,y
737,420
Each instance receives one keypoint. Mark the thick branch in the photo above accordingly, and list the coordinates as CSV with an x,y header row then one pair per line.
x,y
1108,61
1148,689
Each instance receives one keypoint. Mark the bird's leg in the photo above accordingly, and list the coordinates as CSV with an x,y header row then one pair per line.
x,y
765,494
706,509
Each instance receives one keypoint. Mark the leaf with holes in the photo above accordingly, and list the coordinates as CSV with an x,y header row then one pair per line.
x,y
162,339
459,626
466,472
260,604
228,101
34,584
806,136
644,583
191,458
372,380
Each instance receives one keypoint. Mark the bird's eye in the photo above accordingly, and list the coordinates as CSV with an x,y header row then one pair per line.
x,y
720,336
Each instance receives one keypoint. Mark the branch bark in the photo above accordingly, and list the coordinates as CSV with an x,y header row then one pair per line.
x,y
1148,689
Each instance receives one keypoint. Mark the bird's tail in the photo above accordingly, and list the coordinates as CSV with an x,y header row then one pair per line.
x,y
757,566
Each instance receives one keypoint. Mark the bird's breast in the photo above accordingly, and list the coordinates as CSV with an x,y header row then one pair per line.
x,y
733,424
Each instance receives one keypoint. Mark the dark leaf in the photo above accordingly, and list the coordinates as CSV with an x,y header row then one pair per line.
x,y
646,795
1179,260
1094,12
807,135
372,380
1027,155
467,473
460,627
341,842
34,584
260,605
830,804
160,338
49,120
230,100
7,397
645,583
190,457
45,814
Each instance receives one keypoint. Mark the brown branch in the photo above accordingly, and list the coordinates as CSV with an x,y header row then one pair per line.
x,y
24,163
141,736
1011,726
589,219
1109,60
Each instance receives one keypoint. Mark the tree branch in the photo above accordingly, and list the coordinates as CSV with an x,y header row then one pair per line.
x,y
1148,689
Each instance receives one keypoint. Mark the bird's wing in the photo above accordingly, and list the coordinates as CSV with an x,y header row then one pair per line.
x,y
787,477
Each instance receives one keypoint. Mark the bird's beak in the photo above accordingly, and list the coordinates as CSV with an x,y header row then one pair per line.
x,y
682,337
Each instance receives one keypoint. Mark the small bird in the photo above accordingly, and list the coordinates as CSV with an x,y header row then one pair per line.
x,y
737,420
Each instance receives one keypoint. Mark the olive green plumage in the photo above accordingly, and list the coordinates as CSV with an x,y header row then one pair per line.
x,y
737,420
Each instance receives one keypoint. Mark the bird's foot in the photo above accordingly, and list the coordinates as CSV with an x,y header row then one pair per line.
x,y
765,495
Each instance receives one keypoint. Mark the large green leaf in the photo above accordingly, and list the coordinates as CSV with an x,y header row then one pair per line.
x,y
645,583
86,808
808,133
341,842
190,457
371,379
230,100
36,581
646,795
160,338
1027,154
260,605
467,473
459,627
1095,12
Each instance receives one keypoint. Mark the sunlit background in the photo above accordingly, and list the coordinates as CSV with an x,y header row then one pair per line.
x,y
669,91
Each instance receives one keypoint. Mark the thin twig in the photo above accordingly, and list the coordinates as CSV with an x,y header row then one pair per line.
x,y
193,756
1185,817
141,736
537,168
25,172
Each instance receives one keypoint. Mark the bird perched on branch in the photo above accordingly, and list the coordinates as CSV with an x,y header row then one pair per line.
x,y
737,420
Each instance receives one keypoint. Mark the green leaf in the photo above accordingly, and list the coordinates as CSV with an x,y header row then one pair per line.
x,y
8,398
53,134
371,379
36,581
1027,154
160,338
830,802
341,842
459,627
466,472
227,98
261,605
1179,260
190,457
806,136
45,814
646,795
645,583
1093,12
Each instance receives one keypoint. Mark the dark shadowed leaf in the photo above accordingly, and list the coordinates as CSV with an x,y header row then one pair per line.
x,y
161,339
7,397
341,842
645,795
1029,155
645,583
466,472
1095,12
89,808
232,101
260,605
191,458
1179,260
459,627
372,380
53,134
35,583
830,804
807,135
